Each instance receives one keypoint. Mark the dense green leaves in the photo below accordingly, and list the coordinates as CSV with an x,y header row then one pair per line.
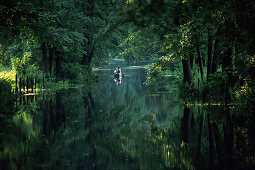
x,y
214,34
64,36
59,33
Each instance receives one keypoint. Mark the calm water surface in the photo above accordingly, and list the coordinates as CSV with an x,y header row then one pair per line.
x,y
126,126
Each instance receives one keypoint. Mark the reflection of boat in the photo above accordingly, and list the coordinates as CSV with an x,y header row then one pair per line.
x,y
118,75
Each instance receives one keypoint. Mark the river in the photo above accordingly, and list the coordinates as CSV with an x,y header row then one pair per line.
x,y
125,126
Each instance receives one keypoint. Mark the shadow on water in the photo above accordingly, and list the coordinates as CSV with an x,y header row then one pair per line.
x,y
127,126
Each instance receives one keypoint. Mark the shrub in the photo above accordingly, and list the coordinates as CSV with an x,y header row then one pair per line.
x,y
72,71
8,75
186,90
216,87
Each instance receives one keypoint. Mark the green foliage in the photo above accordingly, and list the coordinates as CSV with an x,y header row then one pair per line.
x,y
74,71
216,88
184,28
34,72
185,90
21,64
165,32
7,75
1,55
165,66
140,46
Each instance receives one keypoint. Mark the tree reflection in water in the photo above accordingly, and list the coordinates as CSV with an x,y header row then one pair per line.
x,y
131,126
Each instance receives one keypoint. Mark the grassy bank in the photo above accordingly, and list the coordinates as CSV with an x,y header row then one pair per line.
x,y
8,74
87,78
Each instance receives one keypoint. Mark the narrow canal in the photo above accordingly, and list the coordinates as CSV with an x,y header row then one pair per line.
x,y
128,125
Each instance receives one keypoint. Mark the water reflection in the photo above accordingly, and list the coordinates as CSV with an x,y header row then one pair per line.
x,y
118,78
131,126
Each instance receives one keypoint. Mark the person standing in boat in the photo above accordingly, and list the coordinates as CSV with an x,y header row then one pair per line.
x,y
119,70
116,70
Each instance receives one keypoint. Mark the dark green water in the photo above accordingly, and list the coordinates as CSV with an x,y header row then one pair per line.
x,y
126,126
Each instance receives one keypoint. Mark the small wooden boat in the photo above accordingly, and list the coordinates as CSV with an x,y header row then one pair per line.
x,y
118,76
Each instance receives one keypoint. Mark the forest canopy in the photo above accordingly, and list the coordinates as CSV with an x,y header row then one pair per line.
x,y
182,95
213,39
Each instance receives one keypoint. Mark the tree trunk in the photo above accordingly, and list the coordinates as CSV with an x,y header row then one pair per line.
x,y
89,46
91,53
51,52
209,59
92,102
91,6
211,147
200,62
58,65
185,126
201,126
219,149
45,116
20,85
215,56
16,83
229,133
24,86
27,84
87,107
52,118
32,84
191,58
186,70
44,57
43,83
60,116
87,58
227,68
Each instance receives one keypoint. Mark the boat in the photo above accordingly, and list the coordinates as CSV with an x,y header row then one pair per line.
x,y
118,75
